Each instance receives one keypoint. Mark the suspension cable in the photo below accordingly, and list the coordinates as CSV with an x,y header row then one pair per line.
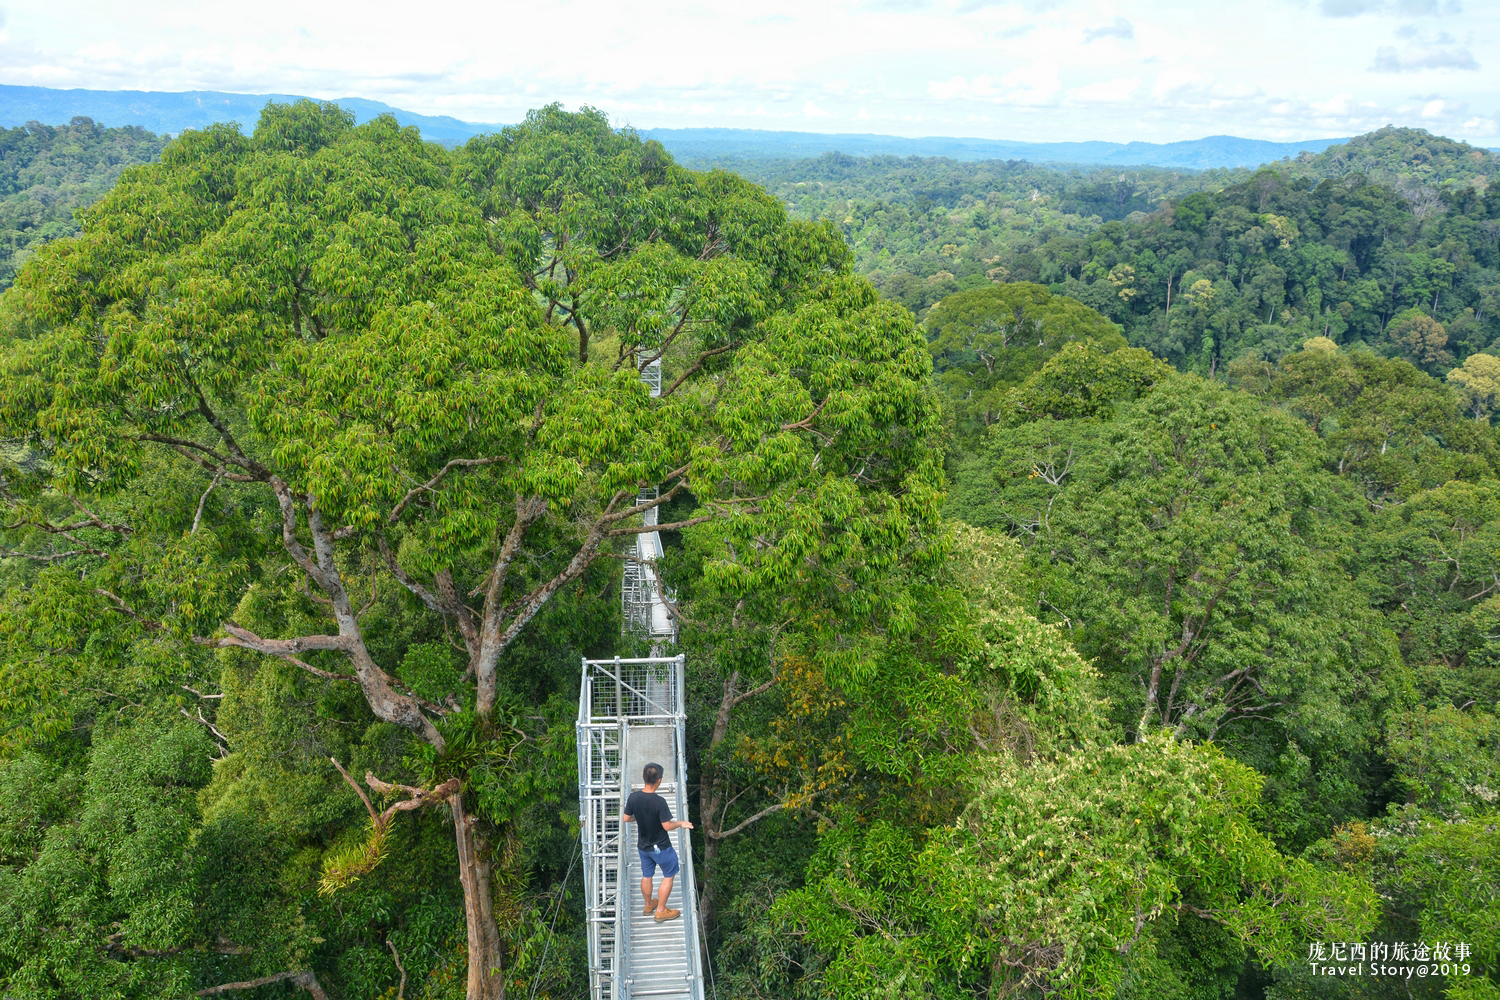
x,y
561,892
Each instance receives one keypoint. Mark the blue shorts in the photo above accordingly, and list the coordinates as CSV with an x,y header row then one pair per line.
x,y
666,858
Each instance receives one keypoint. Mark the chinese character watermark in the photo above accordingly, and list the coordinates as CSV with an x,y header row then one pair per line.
x,y
1389,959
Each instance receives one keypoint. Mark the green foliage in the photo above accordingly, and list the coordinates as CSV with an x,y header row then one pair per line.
x,y
346,865
1195,548
49,174
1478,382
330,383
1434,858
1201,269
924,228
986,340
1279,591
1063,875
1386,426
1393,155
1447,761
118,887
1084,382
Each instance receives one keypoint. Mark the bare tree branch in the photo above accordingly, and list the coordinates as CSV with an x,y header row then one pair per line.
x,y
237,455
670,526
223,740
432,483
182,444
419,796
697,365
198,517
289,539
768,810
199,693
463,615
374,816
50,558
405,579
125,609
243,638
805,424
401,990
304,979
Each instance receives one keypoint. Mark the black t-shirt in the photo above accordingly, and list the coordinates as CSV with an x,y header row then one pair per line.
x,y
649,811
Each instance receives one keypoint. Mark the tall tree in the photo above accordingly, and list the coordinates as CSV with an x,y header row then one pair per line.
x,y
363,347
987,340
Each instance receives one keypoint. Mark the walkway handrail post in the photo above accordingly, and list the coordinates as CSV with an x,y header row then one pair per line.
x,y
690,881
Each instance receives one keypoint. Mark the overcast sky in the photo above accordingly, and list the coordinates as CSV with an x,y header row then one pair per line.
x,y
1156,70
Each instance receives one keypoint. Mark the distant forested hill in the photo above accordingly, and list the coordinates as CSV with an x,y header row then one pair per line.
x,y
49,172
175,111
922,228
696,146
1202,268
1257,269
1403,156
824,184
172,112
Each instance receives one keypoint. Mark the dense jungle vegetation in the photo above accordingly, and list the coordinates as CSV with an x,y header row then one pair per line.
x,y
1128,626
1199,268
49,172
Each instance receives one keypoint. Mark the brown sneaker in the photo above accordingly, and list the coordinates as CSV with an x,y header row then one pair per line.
x,y
667,915
650,908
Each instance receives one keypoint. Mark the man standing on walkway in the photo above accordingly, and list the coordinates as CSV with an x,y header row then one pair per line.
x,y
649,812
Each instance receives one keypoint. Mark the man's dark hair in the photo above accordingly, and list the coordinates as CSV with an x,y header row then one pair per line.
x,y
652,773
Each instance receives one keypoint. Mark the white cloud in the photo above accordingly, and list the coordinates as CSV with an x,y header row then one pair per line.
x,y
1405,8
947,90
1415,58
1339,105
1178,80
1107,91
1118,28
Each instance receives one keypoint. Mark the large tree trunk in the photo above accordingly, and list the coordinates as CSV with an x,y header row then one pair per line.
x,y
486,958
707,898
710,806
710,802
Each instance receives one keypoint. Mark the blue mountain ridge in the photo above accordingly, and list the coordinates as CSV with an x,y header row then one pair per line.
x,y
172,112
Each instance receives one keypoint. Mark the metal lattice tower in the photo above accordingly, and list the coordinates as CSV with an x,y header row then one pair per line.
x,y
631,713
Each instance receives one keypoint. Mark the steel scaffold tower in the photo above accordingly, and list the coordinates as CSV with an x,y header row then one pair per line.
x,y
631,713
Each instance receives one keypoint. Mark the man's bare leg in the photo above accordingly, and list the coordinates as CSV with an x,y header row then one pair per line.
x,y
646,891
666,890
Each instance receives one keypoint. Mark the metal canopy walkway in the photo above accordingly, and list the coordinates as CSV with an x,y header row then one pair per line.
x,y
630,713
